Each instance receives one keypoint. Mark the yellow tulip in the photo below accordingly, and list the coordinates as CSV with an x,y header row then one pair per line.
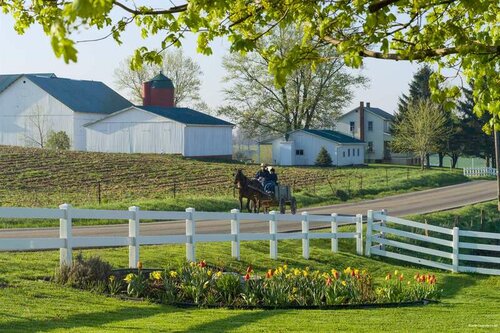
x,y
344,283
173,274
348,270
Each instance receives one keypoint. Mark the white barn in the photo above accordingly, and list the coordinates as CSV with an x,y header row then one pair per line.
x,y
301,147
153,129
31,105
96,118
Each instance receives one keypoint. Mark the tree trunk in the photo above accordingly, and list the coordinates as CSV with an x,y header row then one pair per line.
x,y
488,162
441,157
497,162
422,161
428,160
454,160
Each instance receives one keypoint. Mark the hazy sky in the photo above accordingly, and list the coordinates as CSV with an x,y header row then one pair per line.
x,y
32,53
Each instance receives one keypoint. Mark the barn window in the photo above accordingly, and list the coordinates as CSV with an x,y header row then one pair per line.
x,y
299,152
370,125
343,154
348,152
351,126
358,151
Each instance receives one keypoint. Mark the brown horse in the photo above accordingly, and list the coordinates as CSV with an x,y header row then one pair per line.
x,y
248,189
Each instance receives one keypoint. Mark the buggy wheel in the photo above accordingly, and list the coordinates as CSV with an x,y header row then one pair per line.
x,y
293,205
282,206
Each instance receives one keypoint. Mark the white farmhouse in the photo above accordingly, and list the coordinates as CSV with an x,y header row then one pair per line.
x,y
371,125
160,127
31,105
301,147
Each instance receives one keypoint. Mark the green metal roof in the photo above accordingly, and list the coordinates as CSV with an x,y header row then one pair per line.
x,y
161,81
333,136
7,80
185,115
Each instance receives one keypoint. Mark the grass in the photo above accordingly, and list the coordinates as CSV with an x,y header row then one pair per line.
x,y
28,304
463,162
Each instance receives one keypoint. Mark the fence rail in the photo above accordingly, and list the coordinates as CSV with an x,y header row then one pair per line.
x,y
67,242
376,242
480,172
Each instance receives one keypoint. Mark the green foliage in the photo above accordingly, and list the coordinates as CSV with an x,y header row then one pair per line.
x,y
342,195
462,35
58,140
323,159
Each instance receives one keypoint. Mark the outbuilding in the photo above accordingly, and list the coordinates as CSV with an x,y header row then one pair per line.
x,y
301,147
159,126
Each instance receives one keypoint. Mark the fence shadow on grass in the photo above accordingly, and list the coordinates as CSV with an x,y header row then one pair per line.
x,y
83,320
231,322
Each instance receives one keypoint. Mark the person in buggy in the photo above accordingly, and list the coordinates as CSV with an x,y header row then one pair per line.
x,y
272,181
262,175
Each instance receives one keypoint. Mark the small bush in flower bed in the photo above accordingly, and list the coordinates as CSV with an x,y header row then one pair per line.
x,y
199,284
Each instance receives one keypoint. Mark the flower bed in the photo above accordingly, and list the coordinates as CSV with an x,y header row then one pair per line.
x,y
197,284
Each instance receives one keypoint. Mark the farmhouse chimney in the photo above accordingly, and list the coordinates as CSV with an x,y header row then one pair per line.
x,y
159,91
368,104
362,120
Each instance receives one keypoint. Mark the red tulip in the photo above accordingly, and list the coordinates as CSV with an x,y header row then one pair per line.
x,y
202,264
249,269
247,277
329,281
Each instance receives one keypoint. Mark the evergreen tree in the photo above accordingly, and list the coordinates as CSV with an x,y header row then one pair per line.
x,y
323,159
476,142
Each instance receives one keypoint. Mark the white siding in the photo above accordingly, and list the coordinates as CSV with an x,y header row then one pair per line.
x,y
18,105
135,131
208,141
376,135
311,145
79,120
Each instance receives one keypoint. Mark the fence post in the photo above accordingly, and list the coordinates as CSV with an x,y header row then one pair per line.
x,y
235,231
383,224
455,250
359,236
66,233
190,234
369,224
305,235
133,237
335,241
273,230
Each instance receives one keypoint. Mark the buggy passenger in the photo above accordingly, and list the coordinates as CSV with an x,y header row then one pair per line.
x,y
271,182
263,174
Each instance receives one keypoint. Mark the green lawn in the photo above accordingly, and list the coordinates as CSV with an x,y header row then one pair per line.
x,y
28,304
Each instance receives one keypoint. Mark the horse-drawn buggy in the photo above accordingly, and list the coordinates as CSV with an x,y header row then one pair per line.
x,y
258,198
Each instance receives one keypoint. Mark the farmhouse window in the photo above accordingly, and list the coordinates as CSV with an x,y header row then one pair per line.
x,y
358,151
370,125
343,154
299,152
370,146
351,126
348,152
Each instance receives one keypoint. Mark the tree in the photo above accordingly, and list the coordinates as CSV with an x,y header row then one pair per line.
x,y
184,72
459,34
421,131
323,159
477,142
58,141
37,127
309,98
419,89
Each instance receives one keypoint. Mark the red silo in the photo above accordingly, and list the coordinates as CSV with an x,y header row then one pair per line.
x,y
159,91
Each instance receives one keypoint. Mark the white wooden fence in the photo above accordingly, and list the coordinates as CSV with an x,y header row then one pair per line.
x,y
480,172
376,243
67,242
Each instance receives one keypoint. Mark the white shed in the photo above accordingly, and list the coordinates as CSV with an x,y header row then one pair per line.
x,y
158,129
303,146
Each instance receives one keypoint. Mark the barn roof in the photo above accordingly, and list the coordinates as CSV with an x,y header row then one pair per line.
x,y
325,134
7,80
185,115
333,136
81,95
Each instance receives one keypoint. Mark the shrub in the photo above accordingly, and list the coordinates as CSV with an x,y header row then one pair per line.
x,y
323,159
58,140
84,273
342,195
